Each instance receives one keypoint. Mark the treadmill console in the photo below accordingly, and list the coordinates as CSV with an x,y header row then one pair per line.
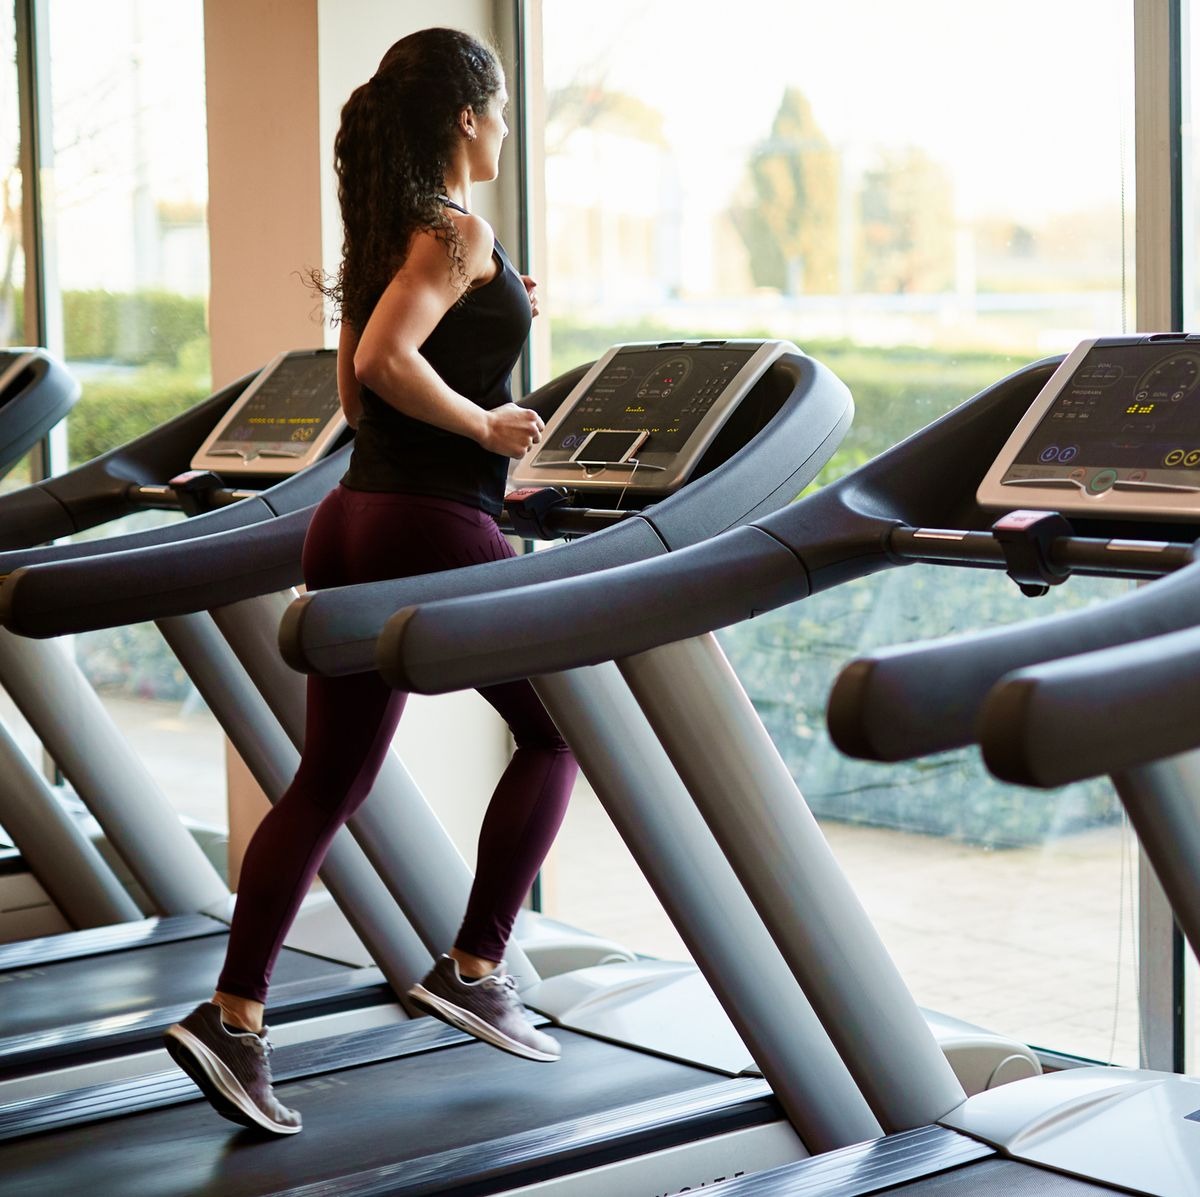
x,y
286,419
1115,432
644,414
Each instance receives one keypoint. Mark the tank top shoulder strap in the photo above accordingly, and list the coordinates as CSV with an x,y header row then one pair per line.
x,y
497,248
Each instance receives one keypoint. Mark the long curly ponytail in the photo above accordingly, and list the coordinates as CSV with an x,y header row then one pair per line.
x,y
392,148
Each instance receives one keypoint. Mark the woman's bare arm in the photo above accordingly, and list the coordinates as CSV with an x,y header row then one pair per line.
x,y
387,358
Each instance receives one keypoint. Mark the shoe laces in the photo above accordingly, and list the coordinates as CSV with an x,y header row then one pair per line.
x,y
503,981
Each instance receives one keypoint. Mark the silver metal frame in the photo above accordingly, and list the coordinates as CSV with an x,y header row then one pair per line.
x,y
735,775
66,864
62,708
650,808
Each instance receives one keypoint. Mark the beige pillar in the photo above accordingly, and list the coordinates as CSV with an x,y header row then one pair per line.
x,y
264,208
264,219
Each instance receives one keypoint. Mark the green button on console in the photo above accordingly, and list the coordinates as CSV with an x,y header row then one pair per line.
x,y
1101,481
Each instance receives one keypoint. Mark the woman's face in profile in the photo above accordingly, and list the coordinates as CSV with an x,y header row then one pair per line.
x,y
490,131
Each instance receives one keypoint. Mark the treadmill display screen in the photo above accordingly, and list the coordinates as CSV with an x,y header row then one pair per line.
x,y
283,410
1128,416
662,393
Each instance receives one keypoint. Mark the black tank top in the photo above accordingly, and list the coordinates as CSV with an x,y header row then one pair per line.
x,y
473,349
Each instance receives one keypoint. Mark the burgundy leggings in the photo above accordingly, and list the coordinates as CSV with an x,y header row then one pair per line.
x,y
354,537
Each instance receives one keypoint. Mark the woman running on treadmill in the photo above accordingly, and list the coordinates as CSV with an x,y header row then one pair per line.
x,y
433,317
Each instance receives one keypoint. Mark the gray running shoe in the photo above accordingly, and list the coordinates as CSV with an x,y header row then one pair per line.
x,y
232,1069
488,1008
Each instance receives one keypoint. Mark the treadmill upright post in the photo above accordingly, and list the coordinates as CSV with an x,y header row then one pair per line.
x,y
737,778
65,862
71,722
1163,802
651,810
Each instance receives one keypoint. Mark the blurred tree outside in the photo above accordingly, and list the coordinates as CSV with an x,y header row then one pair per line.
x,y
789,223
906,225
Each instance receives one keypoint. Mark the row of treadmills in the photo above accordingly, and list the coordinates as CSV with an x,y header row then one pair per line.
x,y
789,1057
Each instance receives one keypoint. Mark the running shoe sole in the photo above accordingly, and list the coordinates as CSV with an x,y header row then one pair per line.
x,y
464,1020
222,1089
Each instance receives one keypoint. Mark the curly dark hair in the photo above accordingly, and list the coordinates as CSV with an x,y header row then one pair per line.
x,y
391,151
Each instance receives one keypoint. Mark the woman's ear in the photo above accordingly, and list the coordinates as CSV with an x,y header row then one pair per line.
x,y
466,123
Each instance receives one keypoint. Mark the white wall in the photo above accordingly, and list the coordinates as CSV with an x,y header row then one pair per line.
x,y
353,36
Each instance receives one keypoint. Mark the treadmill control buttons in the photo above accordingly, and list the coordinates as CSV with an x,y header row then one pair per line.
x,y
1101,481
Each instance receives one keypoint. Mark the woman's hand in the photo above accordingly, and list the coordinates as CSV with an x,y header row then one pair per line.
x,y
531,291
512,430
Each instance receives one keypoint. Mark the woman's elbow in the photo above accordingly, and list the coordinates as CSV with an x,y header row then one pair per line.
x,y
368,369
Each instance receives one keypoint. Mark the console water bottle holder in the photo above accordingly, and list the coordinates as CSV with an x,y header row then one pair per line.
x,y
1025,538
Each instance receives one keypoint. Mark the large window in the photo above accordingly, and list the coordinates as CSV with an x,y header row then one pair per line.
x,y
125,200
924,196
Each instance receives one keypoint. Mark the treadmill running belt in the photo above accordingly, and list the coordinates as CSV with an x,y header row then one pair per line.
x,y
449,1104
116,985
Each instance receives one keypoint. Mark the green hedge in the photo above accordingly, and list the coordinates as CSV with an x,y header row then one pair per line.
x,y
112,411
142,328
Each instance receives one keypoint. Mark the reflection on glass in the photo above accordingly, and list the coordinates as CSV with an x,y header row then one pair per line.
x,y
905,206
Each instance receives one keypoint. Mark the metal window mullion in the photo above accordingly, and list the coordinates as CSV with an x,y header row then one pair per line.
x,y
1158,120
1158,98
43,297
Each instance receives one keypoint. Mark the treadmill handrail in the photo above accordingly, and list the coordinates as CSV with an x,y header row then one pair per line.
x,y
334,631
217,557
883,708
180,577
839,533
490,638
281,498
1100,712
94,493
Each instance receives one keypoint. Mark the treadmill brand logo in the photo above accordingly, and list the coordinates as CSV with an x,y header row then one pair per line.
x,y
701,1184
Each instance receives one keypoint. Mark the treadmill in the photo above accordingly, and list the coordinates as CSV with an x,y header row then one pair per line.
x,y
1114,500
110,990
761,420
